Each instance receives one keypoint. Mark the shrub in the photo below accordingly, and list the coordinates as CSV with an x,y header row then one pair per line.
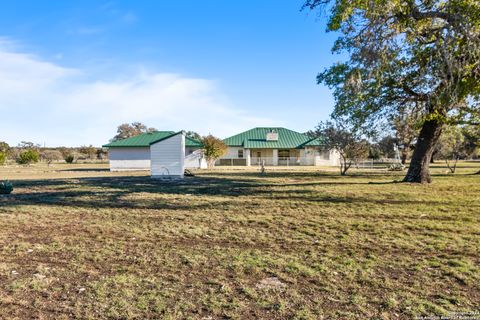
x,y
28,157
69,158
51,155
6,187
396,167
3,158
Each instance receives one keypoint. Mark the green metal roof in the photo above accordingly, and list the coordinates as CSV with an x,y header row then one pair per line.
x,y
315,142
190,142
256,138
145,139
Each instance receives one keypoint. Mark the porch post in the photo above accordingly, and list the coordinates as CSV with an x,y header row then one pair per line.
x,y
247,156
275,157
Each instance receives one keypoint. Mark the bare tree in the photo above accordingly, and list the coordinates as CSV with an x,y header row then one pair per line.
x,y
90,151
51,155
349,144
451,146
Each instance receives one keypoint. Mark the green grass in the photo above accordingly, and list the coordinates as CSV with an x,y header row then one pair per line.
x,y
80,242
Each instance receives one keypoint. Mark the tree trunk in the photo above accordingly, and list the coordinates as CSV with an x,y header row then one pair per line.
x,y
419,169
344,166
404,157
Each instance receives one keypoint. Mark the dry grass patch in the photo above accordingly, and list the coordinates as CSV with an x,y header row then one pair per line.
x,y
81,242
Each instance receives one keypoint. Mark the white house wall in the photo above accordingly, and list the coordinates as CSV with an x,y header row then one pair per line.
x,y
167,157
195,159
125,159
232,153
310,156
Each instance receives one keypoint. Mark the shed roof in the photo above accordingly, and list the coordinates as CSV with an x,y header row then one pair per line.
x,y
256,138
144,140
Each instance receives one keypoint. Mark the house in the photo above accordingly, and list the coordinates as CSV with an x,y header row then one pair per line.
x,y
276,147
135,153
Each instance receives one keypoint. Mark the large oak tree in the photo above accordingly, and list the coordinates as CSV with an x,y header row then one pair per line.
x,y
418,55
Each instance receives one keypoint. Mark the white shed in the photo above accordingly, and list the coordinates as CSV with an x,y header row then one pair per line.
x,y
135,153
126,159
168,157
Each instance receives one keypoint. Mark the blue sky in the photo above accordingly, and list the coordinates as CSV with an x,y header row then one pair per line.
x,y
71,71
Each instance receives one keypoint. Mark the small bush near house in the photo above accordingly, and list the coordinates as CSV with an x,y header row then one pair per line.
x,y
213,149
28,157
6,187
3,158
69,158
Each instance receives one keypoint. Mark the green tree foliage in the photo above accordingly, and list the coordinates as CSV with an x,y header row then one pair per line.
x,y
213,149
471,134
349,144
3,158
421,56
4,147
126,130
69,158
406,124
386,146
193,135
28,156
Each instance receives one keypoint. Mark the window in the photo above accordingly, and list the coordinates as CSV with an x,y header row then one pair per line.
x,y
240,153
283,154
324,154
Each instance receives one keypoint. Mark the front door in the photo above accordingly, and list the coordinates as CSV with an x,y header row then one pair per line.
x,y
259,157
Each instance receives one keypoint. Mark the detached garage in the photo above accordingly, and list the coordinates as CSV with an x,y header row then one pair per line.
x,y
135,153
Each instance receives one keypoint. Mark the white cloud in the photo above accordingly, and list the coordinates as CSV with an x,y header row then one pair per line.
x,y
44,102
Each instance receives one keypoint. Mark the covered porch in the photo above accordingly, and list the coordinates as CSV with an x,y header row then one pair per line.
x,y
275,157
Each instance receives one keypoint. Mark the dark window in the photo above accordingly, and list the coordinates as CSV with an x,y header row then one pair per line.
x,y
284,153
240,153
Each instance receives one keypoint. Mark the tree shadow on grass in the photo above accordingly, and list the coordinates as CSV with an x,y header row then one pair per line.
x,y
144,192
84,170
115,192
303,174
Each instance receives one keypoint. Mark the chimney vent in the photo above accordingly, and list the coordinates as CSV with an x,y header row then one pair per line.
x,y
272,136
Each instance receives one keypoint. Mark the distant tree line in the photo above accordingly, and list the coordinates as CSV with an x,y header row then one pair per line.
x,y
27,152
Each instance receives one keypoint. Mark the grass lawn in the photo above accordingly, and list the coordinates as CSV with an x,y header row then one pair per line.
x,y
77,241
